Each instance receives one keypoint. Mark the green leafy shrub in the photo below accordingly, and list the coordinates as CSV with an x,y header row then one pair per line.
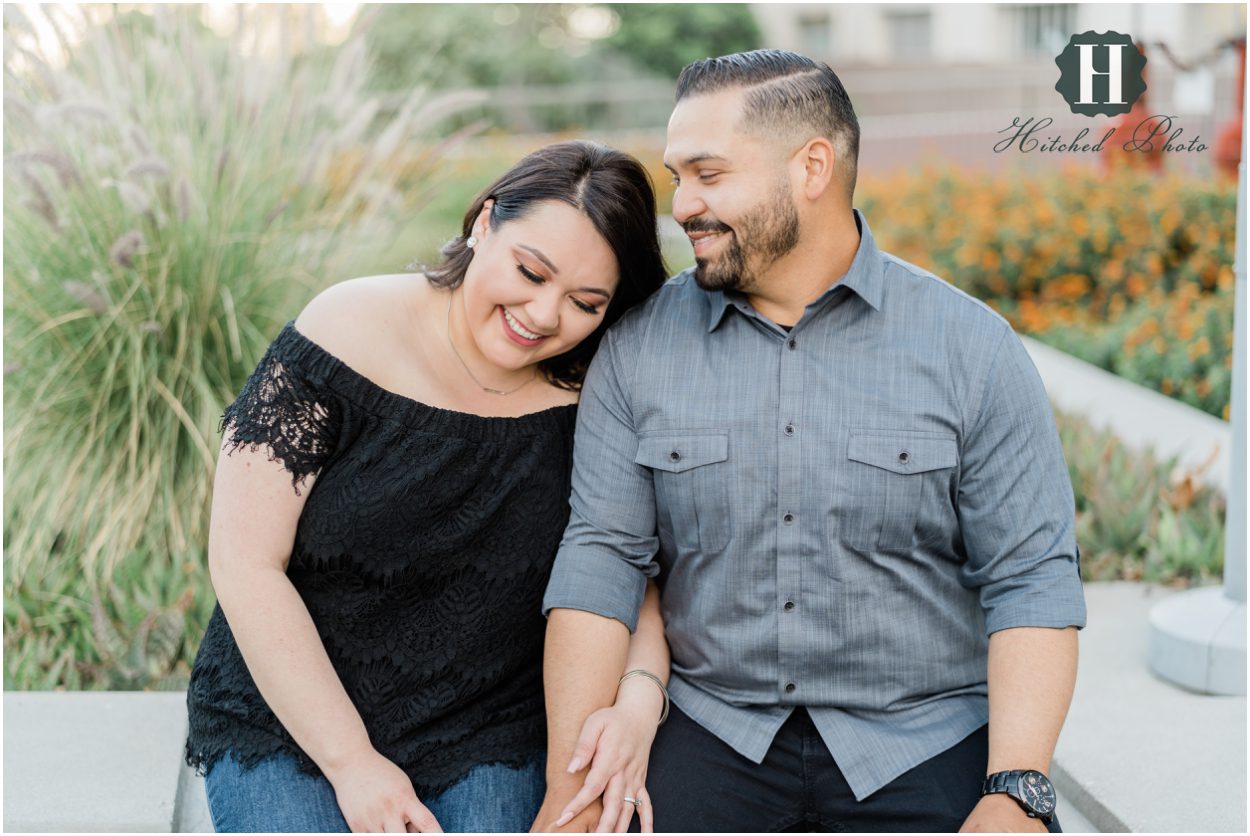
x,y
1135,519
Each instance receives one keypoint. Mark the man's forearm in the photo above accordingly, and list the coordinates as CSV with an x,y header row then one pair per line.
x,y
582,662
1032,672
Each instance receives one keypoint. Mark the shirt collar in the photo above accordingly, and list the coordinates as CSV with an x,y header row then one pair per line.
x,y
864,278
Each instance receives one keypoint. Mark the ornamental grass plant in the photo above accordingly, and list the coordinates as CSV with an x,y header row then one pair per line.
x,y
171,198
1128,270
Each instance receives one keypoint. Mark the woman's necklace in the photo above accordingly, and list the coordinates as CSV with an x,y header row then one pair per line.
x,y
469,371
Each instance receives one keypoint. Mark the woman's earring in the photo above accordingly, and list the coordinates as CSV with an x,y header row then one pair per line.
x,y
471,242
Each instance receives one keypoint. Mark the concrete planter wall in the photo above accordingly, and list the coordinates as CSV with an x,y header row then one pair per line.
x,y
1141,417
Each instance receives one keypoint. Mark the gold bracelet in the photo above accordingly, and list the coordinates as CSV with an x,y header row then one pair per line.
x,y
658,684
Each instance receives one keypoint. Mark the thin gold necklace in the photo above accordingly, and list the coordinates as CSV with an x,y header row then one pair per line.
x,y
469,371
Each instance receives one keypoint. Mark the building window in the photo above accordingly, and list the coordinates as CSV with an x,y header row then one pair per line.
x,y
1043,29
910,34
815,37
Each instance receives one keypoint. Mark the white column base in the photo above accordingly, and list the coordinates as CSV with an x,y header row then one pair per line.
x,y
1198,641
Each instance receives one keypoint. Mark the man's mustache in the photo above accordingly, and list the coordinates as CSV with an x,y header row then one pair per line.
x,y
697,225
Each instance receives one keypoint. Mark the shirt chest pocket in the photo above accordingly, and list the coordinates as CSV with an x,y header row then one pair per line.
x,y
691,478
893,489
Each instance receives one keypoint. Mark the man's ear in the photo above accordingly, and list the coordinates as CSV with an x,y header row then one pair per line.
x,y
820,162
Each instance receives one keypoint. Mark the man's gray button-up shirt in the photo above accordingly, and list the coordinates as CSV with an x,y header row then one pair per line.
x,y
854,563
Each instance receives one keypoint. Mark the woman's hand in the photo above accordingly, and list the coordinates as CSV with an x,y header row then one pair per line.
x,y
616,743
376,796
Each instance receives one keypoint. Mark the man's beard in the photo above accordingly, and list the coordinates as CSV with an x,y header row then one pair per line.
x,y
771,230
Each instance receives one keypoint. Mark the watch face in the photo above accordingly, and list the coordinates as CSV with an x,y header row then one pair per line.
x,y
1037,793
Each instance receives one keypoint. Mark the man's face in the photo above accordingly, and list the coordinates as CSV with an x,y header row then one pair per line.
x,y
733,197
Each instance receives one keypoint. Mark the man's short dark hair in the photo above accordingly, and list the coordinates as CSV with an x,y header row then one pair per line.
x,y
787,95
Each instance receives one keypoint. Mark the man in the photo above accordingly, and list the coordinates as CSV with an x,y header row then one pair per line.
x,y
845,474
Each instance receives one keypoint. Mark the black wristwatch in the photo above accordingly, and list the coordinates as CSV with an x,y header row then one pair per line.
x,y
1031,789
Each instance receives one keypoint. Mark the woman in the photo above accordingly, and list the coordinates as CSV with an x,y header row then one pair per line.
x,y
390,494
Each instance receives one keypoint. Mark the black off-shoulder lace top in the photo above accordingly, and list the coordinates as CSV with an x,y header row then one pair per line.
x,y
422,554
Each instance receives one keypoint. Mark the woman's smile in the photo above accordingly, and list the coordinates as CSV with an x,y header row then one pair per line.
x,y
517,332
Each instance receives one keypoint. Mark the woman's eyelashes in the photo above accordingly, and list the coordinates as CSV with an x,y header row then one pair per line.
x,y
529,275
534,278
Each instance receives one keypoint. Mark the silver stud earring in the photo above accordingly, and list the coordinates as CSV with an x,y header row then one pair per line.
x,y
472,242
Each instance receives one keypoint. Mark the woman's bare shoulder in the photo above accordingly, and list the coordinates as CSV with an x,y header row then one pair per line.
x,y
362,320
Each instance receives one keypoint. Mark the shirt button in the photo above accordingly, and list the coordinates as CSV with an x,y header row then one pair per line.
x,y
790,686
793,345
789,606
674,456
904,457
788,518
789,430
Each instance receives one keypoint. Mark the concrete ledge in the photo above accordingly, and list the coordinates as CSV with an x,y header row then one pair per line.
x,y
92,761
1138,754
192,815
1085,813
1141,417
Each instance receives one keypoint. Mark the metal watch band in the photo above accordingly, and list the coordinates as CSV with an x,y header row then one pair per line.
x,y
1002,781
1008,782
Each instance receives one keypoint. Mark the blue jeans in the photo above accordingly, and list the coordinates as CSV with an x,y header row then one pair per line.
x,y
274,796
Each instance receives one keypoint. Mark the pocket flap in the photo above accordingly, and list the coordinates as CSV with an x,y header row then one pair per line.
x,y
903,452
677,452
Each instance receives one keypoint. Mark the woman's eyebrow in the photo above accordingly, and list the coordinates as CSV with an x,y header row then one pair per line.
x,y
538,255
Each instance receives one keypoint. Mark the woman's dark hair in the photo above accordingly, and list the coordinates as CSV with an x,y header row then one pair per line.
x,y
610,188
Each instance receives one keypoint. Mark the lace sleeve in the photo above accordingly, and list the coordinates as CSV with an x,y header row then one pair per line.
x,y
281,409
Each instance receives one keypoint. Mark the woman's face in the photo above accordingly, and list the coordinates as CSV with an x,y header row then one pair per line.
x,y
537,285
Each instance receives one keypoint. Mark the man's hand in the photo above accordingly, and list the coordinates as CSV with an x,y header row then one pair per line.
x,y
999,813
554,804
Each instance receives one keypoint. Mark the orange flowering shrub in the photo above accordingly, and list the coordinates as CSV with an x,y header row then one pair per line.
x,y
1130,271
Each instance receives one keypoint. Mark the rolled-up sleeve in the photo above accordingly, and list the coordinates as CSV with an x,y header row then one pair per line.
x,y
609,546
1016,509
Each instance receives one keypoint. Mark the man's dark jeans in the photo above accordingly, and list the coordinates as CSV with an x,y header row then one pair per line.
x,y
698,783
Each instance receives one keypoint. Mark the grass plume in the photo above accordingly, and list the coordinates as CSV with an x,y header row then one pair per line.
x,y
158,230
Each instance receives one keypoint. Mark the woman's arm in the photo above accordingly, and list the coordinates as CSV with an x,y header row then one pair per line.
x,y
648,651
252,530
616,741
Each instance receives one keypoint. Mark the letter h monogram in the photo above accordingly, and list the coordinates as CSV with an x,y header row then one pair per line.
x,y
1113,73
